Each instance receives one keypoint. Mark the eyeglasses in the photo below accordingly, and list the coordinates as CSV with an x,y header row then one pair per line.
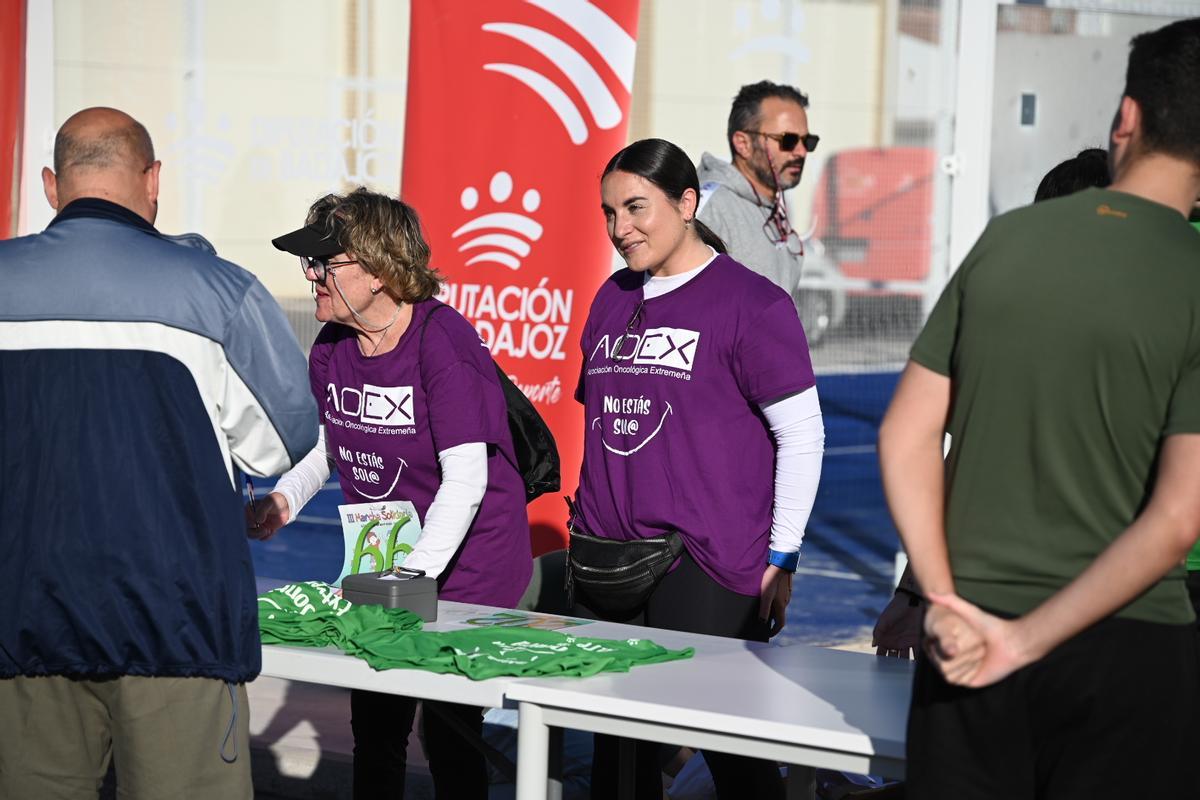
x,y
788,141
629,326
321,266
778,228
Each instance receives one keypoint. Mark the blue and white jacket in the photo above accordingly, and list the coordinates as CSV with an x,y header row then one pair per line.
x,y
137,376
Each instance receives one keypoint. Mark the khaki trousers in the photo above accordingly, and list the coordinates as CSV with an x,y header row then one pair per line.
x,y
167,736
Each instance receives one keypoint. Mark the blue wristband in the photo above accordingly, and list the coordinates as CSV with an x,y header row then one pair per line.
x,y
785,561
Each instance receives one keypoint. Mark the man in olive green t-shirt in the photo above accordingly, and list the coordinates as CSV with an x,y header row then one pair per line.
x,y
1064,360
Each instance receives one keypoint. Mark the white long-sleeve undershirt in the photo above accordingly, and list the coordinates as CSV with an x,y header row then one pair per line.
x,y
302,482
454,506
799,432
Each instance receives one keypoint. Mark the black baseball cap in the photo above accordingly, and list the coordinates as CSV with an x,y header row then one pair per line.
x,y
312,240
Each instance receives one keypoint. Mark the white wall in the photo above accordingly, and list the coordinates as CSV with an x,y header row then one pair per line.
x,y
255,108
1078,79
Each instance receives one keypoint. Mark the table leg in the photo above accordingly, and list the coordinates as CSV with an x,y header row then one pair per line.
x,y
626,769
533,753
554,786
801,783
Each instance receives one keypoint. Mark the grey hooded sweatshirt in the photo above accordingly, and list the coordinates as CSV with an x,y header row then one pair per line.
x,y
729,207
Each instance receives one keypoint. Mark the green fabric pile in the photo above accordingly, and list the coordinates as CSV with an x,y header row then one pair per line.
x,y
311,614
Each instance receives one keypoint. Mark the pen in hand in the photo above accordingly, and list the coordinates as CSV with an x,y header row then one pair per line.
x,y
253,508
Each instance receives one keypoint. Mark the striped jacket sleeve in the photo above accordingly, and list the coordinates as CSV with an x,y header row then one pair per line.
x,y
267,413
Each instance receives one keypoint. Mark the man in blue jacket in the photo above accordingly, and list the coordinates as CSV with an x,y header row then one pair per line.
x,y
137,377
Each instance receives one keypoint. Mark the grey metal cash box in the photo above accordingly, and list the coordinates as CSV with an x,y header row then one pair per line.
x,y
418,595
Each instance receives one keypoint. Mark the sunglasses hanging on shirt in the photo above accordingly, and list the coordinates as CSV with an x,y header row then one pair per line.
x,y
779,231
629,326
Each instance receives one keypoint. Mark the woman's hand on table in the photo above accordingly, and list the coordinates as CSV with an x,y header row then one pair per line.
x,y
267,516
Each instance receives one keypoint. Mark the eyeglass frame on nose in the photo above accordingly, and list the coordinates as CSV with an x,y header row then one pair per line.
x,y
810,140
321,266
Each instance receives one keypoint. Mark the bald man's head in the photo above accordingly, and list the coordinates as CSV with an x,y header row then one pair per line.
x,y
105,153
101,138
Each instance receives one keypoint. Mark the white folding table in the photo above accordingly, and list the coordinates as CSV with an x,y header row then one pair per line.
x,y
330,667
798,705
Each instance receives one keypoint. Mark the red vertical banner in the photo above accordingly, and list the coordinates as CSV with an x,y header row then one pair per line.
x,y
12,108
513,110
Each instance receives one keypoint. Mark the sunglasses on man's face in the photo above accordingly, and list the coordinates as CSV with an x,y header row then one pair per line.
x,y
321,266
788,141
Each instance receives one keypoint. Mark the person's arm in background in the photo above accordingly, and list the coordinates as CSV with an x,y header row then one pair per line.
x,y
897,632
799,432
267,411
1157,540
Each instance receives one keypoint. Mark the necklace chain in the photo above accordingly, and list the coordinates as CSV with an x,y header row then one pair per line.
x,y
383,331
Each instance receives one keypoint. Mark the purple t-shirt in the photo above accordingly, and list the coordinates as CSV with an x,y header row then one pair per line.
x,y
386,418
673,437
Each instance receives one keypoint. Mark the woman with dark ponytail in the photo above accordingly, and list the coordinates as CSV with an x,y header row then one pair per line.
x,y
703,436
667,167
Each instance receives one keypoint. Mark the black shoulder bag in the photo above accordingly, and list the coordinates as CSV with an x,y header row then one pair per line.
x,y
533,444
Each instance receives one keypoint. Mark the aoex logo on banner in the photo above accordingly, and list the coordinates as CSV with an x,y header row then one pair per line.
x,y
513,110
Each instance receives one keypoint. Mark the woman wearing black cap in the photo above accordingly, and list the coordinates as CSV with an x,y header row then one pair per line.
x,y
413,395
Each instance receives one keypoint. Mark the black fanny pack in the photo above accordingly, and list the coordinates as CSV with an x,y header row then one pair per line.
x,y
615,578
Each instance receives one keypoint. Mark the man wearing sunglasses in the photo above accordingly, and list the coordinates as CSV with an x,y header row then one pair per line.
x,y
742,200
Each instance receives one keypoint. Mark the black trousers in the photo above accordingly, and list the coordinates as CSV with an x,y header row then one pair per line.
x,y
1193,587
382,723
689,600
1109,713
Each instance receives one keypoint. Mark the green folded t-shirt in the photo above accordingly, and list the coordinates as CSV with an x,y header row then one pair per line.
x,y
481,653
312,614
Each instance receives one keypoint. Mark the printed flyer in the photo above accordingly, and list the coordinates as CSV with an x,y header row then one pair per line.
x,y
377,536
